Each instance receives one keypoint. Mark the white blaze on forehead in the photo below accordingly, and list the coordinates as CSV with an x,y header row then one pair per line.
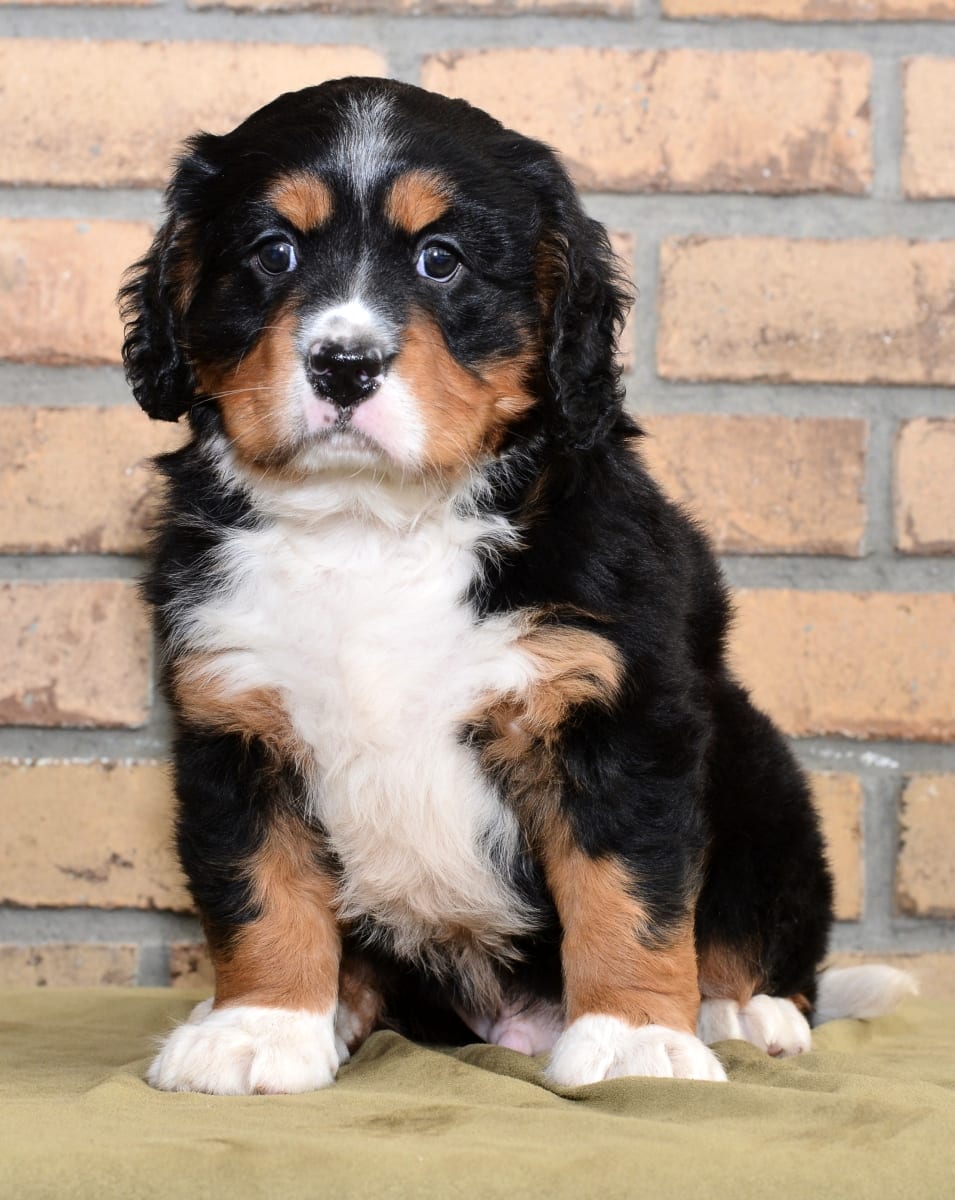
x,y
352,322
369,142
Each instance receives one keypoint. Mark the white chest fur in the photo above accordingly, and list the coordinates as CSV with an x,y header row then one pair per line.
x,y
363,630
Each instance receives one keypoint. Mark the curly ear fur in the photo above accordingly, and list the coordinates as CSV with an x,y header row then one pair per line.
x,y
156,295
585,298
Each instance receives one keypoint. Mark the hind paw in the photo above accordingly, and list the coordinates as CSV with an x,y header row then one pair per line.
x,y
770,1023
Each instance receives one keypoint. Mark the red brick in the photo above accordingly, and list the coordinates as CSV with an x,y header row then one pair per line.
x,y
469,8
865,665
838,798
59,284
925,875
78,479
925,486
765,485
814,10
866,311
74,652
680,120
928,161
113,113
88,833
68,964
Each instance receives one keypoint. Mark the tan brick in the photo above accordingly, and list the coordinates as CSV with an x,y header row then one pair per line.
x,y
765,485
68,964
189,966
928,161
58,285
807,311
680,120
864,665
113,113
838,798
88,833
925,874
815,10
79,479
78,3
934,973
567,8
73,653
925,486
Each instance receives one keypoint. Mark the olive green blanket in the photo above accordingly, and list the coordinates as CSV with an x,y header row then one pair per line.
x,y
870,1113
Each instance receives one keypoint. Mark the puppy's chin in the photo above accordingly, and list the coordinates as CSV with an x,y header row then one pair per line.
x,y
344,449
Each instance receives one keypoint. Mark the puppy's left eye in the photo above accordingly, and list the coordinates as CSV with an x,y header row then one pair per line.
x,y
438,262
277,258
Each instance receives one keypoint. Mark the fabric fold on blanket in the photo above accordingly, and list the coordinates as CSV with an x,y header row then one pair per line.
x,y
869,1113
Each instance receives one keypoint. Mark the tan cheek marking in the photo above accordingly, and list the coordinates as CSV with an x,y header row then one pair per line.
x,y
415,199
304,200
610,965
253,396
258,713
289,956
465,413
727,973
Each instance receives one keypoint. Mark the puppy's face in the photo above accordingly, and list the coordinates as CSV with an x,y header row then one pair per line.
x,y
361,274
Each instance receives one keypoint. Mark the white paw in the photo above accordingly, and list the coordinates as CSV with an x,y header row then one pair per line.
x,y
247,1049
600,1047
770,1023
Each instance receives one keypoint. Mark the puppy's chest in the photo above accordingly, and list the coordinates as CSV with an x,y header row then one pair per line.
x,y
365,636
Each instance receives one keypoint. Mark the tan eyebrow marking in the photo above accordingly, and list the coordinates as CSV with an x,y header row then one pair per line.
x,y
415,199
303,199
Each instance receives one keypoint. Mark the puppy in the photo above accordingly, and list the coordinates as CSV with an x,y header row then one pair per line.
x,y
456,747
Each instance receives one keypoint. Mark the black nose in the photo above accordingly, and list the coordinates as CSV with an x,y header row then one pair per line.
x,y
346,375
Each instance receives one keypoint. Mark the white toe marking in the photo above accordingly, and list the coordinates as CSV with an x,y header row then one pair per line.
x,y
602,1047
248,1049
775,1025
718,1022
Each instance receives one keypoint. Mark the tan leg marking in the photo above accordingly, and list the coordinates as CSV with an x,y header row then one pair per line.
x,y
358,992
416,199
288,957
304,200
608,967
727,973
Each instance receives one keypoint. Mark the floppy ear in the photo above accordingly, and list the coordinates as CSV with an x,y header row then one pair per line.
x,y
584,300
156,294
150,303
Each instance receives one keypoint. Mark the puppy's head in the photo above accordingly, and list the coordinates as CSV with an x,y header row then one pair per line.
x,y
364,273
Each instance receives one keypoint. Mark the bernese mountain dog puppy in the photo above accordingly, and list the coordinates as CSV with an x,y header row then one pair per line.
x,y
456,749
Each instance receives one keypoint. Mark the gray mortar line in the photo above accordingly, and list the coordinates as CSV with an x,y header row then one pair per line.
x,y
400,38
886,101
822,215
808,573
880,522
111,925
877,759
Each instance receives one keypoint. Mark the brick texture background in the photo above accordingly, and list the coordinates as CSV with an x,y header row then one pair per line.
x,y
779,177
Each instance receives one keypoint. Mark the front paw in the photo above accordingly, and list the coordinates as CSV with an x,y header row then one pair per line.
x,y
601,1047
247,1049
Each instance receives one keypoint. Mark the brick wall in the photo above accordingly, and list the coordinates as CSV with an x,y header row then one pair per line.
x,y
782,184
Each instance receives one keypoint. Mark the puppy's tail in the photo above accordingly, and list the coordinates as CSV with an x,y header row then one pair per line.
x,y
870,991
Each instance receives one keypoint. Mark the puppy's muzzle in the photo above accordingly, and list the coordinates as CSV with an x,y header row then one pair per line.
x,y
345,375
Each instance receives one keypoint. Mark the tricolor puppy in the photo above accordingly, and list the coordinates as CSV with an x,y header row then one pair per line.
x,y
456,749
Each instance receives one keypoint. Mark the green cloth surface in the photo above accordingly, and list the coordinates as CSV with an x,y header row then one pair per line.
x,y
869,1113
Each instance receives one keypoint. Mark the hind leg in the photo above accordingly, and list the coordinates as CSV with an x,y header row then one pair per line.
x,y
765,908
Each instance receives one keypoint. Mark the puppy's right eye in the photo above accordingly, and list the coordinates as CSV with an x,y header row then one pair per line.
x,y
277,258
